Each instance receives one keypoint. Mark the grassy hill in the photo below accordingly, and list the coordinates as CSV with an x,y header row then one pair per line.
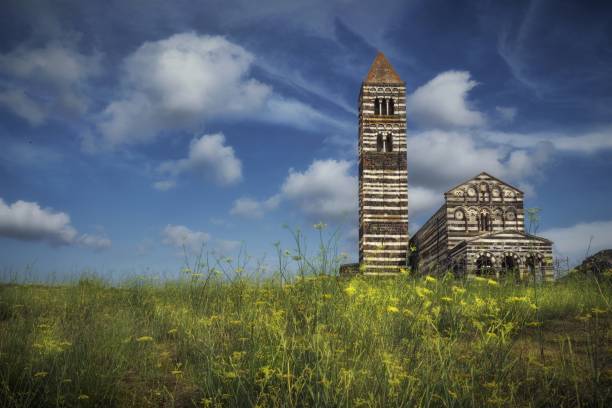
x,y
321,341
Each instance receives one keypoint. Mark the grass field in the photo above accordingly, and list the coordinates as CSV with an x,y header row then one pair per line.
x,y
318,341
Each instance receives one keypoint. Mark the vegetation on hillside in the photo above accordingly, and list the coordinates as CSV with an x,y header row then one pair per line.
x,y
313,341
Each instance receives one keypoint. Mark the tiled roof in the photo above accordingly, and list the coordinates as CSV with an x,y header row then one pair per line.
x,y
381,71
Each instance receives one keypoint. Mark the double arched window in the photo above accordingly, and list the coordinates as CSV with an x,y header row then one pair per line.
x,y
384,106
384,144
484,222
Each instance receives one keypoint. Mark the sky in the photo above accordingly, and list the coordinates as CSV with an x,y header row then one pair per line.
x,y
135,133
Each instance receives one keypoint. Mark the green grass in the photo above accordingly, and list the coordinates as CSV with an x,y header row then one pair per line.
x,y
320,341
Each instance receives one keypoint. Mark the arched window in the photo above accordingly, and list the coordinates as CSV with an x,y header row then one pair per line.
x,y
391,107
377,106
484,193
461,219
384,107
484,265
379,143
484,222
389,144
535,268
510,219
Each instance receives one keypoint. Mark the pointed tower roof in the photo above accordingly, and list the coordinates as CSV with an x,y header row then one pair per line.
x,y
381,71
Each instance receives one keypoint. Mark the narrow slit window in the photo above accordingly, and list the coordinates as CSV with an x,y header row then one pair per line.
x,y
384,106
379,143
391,107
389,145
376,106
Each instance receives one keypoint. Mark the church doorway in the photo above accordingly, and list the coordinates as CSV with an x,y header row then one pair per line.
x,y
484,266
510,267
535,268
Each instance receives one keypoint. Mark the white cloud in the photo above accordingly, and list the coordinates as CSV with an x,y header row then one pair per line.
x,y
209,157
423,200
56,73
584,143
442,102
506,113
470,155
164,185
27,221
182,237
325,191
247,207
573,241
226,246
94,241
23,106
178,82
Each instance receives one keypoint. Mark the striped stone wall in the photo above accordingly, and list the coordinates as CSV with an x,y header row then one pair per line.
x,y
431,243
383,172
481,220
483,196
531,256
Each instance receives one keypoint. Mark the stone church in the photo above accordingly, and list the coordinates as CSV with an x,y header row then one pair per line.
x,y
480,228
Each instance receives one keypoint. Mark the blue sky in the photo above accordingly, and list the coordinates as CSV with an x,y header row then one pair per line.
x,y
130,129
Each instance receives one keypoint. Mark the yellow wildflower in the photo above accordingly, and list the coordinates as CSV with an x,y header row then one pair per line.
x,y
176,372
327,296
83,397
430,279
392,309
144,339
446,299
458,290
422,292
492,282
350,290
41,374
172,331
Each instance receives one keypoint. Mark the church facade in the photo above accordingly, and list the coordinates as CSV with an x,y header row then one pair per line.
x,y
480,228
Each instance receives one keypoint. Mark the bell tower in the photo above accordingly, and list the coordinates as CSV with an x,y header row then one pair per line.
x,y
383,171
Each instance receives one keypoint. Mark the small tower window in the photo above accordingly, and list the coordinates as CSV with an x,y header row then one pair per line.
x,y
384,106
391,107
389,144
376,106
379,143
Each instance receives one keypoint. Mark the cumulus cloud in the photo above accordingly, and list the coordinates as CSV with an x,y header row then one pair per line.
x,y
442,102
422,199
182,237
27,221
325,191
56,73
573,241
470,155
178,82
209,157
247,207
